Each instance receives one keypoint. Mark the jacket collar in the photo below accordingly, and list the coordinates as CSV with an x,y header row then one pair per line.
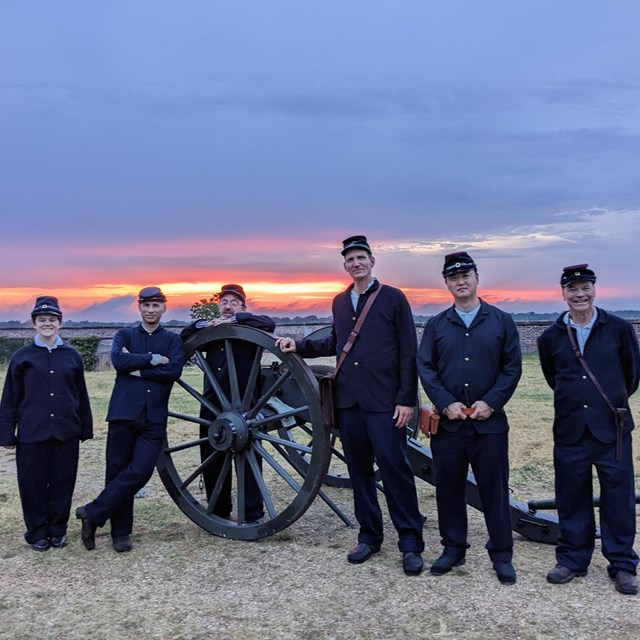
x,y
483,312
602,318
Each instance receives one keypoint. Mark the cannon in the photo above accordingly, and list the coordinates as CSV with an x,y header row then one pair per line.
x,y
273,430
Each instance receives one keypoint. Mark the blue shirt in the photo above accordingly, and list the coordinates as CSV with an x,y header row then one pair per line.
x,y
356,296
41,343
468,316
582,333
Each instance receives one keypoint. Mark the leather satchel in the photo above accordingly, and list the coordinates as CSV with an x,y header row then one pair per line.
x,y
429,420
327,383
328,400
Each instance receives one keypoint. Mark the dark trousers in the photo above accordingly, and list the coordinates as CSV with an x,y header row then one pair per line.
x,y
254,508
488,455
46,479
133,448
367,436
574,498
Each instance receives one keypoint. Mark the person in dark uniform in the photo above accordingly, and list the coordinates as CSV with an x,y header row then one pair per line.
x,y
469,362
233,310
376,392
586,433
148,359
45,414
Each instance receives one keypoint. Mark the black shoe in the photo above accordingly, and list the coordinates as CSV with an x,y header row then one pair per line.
x,y
88,531
561,574
40,545
57,542
122,544
361,553
412,563
505,572
445,563
626,583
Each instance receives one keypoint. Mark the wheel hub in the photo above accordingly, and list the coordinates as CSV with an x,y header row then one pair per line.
x,y
229,432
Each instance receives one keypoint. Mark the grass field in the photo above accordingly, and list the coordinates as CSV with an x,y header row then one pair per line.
x,y
179,582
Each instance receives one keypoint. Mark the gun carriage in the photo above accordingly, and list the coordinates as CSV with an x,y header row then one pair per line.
x,y
274,430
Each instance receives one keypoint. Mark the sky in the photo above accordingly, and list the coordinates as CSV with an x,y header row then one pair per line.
x,y
192,144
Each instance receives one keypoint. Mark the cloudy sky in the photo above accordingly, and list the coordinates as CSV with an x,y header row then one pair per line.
x,y
189,144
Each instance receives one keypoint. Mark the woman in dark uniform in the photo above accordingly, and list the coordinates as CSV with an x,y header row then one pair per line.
x,y
44,414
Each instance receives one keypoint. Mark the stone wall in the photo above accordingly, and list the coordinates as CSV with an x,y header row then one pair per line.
x,y
529,332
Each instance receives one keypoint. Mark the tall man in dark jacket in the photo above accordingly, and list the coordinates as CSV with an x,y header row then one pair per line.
x,y
470,363
232,302
376,391
587,434
148,359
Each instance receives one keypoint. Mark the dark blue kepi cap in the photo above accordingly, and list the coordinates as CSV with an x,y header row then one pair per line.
x,y
577,272
46,306
355,242
151,294
456,262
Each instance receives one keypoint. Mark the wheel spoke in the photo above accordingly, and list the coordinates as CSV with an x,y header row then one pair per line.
x,y
276,417
199,469
217,489
199,397
264,491
189,418
252,381
185,445
213,381
241,493
262,401
277,467
289,444
233,373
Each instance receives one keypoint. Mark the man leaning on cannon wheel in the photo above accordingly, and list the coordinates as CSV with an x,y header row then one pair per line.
x,y
232,301
591,360
376,390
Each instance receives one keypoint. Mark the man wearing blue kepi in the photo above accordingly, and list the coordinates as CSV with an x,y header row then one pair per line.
x,y
591,360
470,363
148,359
376,392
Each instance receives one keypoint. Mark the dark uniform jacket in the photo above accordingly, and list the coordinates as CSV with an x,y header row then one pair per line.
x,y
132,394
612,353
380,370
460,364
243,352
45,396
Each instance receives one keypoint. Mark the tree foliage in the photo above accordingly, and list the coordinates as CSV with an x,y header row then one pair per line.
x,y
205,309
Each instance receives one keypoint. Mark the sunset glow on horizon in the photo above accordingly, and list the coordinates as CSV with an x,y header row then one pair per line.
x,y
276,298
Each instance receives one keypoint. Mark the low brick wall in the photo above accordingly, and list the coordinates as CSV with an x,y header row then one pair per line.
x,y
529,332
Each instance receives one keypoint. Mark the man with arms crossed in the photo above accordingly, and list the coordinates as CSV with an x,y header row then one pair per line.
x,y
376,391
148,359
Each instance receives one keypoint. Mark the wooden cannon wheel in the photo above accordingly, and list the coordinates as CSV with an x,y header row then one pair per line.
x,y
249,432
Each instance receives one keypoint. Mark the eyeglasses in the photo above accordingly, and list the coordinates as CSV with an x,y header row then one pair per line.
x,y
231,303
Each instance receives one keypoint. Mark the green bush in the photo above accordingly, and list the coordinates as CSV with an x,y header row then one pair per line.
x,y
8,346
87,348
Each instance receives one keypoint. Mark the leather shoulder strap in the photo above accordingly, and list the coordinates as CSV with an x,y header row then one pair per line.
x,y
355,332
